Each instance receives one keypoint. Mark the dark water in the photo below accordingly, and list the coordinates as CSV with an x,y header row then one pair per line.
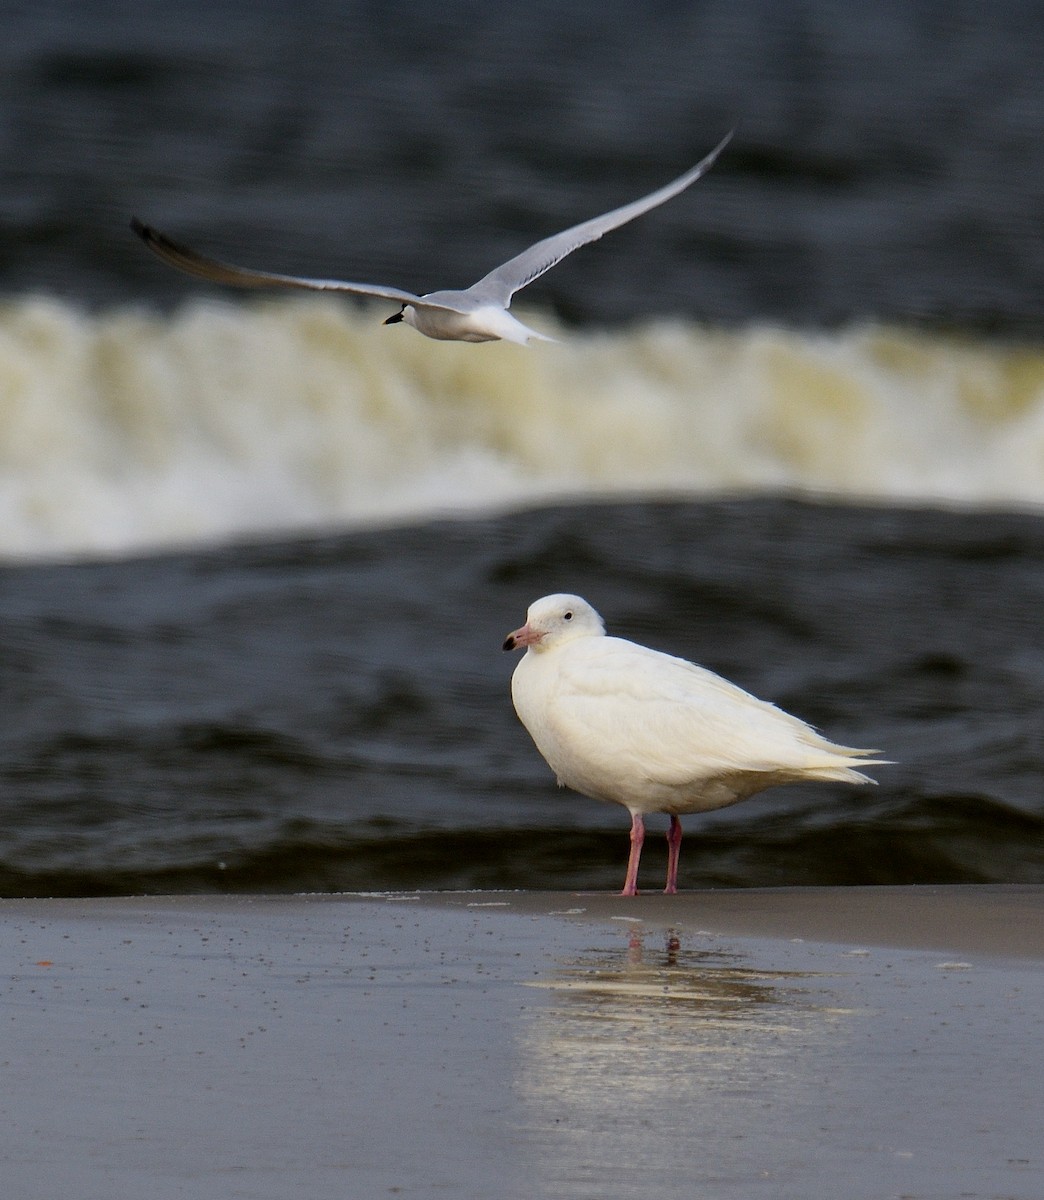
x,y
335,713
889,160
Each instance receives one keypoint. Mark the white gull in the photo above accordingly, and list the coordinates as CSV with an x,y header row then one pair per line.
x,y
621,722
475,314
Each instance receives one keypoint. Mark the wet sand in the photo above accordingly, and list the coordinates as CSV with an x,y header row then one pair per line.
x,y
805,1043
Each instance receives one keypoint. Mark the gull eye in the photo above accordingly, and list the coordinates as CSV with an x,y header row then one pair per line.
x,y
568,616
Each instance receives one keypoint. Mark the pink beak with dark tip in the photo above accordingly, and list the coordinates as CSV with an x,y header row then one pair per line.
x,y
522,637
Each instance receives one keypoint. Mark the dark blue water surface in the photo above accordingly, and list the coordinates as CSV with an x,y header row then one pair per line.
x,y
888,160
335,713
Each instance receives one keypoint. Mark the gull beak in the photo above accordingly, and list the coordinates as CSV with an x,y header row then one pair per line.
x,y
526,636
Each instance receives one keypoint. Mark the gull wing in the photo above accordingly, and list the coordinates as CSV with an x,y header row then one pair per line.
x,y
501,284
194,263
671,721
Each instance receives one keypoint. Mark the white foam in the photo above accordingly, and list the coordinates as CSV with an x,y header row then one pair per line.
x,y
131,430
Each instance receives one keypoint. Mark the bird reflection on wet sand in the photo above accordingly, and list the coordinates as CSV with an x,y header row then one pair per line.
x,y
708,982
659,1063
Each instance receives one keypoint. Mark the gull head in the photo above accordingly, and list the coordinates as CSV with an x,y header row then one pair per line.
x,y
554,620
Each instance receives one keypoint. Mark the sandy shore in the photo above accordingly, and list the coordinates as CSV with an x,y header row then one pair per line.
x,y
806,1043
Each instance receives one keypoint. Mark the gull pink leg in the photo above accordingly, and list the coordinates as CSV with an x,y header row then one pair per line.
x,y
674,837
630,887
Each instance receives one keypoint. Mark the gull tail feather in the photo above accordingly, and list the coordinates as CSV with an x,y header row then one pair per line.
x,y
839,763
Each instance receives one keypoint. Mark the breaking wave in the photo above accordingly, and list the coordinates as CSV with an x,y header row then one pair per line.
x,y
131,430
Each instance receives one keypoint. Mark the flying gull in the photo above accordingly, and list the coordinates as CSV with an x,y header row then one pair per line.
x,y
476,314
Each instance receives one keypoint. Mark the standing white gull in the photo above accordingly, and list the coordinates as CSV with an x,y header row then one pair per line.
x,y
475,314
618,721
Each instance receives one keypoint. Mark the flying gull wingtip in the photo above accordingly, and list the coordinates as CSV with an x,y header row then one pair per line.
x,y
193,263
184,258
155,240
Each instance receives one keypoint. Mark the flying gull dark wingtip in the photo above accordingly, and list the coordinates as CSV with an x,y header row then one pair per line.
x,y
150,235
